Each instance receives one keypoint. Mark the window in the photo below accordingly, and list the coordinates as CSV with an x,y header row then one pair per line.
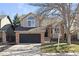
x,y
57,30
31,22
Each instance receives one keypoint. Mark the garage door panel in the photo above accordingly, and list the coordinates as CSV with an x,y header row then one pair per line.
x,y
30,38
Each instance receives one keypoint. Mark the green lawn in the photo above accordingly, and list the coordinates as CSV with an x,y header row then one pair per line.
x,y
63,47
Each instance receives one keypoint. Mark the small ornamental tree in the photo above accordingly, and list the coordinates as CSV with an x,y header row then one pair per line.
x,y
16,20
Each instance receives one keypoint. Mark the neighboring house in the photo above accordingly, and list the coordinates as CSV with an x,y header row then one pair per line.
x,y
75,26
75,29
6,29
34,28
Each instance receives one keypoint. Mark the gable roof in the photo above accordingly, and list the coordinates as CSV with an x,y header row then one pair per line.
x,y
24,16
19,28
6,27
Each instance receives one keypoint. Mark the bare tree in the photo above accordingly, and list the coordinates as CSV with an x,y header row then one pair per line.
x,y
63,10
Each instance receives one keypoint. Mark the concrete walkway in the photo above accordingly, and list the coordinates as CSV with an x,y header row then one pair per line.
x,y
22,50
60,54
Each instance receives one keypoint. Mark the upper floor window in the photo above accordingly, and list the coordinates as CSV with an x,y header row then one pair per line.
x,y
31,22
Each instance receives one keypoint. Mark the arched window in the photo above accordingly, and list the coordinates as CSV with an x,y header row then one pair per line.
x,y
30,18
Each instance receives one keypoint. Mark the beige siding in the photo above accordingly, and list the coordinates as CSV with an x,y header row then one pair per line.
x,y
5,21
24,22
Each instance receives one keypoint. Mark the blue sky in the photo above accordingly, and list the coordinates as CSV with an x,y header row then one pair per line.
x,y
21,8
12,8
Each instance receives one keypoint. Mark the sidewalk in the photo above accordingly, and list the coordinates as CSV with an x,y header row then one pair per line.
x,y
60,54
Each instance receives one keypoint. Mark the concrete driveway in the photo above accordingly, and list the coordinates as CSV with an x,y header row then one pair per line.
x,y
22,50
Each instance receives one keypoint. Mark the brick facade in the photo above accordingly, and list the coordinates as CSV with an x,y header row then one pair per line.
x,y
42,38
17,37
4,37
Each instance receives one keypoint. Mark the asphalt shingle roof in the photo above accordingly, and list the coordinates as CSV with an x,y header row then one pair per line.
x,y
19,28
5,28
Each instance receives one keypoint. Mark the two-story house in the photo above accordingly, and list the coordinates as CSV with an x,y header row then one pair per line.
x,y
34,28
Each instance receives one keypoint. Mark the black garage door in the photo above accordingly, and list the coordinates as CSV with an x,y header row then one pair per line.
x,y
30,38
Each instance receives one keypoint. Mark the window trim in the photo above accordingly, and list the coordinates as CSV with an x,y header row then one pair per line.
x,y
32,23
